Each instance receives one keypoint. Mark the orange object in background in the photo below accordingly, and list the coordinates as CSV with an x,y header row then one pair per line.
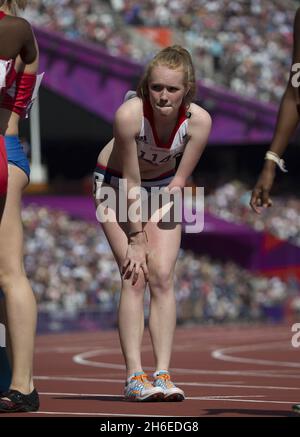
x,y
160,35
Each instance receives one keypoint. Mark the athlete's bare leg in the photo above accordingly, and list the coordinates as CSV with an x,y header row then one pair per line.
x,y
164,243
20,301
131,306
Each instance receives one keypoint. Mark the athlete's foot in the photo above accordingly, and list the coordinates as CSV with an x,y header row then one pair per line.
x,y
138,388
171,392
14,401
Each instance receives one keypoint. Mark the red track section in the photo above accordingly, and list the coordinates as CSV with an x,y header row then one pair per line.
x,y
224,371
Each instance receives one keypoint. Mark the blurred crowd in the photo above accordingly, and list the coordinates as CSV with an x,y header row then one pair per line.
x,y
90,20
231,202
244,45
71,269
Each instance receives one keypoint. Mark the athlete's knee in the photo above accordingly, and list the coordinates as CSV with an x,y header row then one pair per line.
x,y
9,274
160,279
138,288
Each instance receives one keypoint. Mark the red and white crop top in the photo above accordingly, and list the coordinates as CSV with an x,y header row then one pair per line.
x,y
148,145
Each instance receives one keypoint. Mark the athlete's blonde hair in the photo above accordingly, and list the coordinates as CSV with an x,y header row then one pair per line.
x,y
174,57
14,5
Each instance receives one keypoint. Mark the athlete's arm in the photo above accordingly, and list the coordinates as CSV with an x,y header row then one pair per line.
x,y
28,51
126,127
288,116
287,120
199,130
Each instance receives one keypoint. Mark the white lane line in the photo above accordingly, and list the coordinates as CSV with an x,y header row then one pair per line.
x,y
256,401
211,399
98,395
76,379
121,381
218,354
62,349
224,354
84,357
54,413
95,395
188,384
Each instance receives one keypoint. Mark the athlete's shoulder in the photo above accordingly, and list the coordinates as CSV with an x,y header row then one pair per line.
x,y
19,21
199,116
129,116
21,25
130,109
133,103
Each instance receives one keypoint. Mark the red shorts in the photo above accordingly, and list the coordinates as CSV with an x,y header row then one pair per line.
x,y
3,167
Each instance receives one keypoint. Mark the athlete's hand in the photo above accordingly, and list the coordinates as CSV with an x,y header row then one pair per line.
x,y
175,186
261,192
136,258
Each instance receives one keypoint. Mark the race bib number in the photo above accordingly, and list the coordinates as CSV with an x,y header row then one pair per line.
x,y
158,157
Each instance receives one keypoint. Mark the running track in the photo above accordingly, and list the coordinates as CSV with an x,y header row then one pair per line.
x,y
225,371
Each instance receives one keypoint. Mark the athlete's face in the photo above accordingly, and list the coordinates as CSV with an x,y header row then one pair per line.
x,y
166,90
